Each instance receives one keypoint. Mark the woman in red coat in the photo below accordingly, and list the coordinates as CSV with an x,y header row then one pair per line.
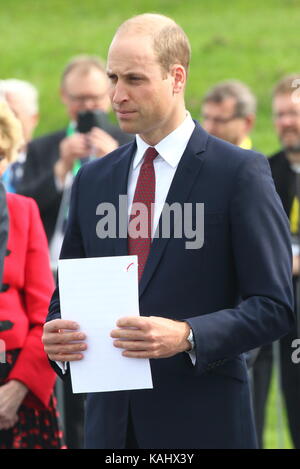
x,y
28,418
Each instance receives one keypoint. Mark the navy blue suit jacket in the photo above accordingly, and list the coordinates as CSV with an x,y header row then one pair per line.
x,y
235,292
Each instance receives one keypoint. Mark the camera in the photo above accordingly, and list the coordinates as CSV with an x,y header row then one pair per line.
x,y
86,120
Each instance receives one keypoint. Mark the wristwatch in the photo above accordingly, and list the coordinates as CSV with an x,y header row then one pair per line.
x,y
191,340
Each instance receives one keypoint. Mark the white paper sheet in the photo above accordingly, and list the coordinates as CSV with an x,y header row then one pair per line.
x,y
95,293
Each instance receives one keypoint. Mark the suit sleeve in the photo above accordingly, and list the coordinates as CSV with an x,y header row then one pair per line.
x,y
32,367
72,245
3,229
38,180
261,251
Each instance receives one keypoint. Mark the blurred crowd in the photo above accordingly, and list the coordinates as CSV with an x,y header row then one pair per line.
x,y
36,410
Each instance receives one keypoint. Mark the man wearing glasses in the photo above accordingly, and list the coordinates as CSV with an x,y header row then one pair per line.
x,y
285,167
51,164
53,159
228,112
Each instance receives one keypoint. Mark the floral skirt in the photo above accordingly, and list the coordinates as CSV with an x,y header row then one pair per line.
x,y
35,429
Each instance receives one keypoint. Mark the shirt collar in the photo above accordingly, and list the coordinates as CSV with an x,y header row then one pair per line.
x,y
246,144
171,147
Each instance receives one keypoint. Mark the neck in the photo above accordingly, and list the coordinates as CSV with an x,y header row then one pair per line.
x,y
171,123
293,157
245,142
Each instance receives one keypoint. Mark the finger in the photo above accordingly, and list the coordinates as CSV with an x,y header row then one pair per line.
x,y
132,333
139,354
97,131
65,357
66,348
132,321
62,337
133,345
56,324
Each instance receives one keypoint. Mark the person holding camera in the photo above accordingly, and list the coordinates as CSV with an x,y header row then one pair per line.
x,y
53,159
51,164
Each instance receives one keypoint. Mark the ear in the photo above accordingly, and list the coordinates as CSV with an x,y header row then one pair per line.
x,y
250,121
63,96
179,76
35,119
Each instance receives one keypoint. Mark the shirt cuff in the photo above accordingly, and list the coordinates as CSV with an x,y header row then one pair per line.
x,y
192,355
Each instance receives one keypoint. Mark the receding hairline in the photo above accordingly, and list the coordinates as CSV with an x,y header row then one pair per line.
x,y
82,65
164,33
147,23
287,85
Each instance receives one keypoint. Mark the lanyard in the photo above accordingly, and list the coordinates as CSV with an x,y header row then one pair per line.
x,y
71,129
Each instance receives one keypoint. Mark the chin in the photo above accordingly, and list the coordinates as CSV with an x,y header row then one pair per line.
x,y
291,146
128,127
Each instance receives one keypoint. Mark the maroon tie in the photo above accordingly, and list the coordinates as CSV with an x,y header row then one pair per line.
x,y
144,194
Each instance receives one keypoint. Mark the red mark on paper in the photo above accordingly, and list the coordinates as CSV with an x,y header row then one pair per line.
x,y
132,263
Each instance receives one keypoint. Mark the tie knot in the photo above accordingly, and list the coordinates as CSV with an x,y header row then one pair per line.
x,y
149,155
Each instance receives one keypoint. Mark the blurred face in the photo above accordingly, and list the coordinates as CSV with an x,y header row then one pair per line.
x,y
220,120
85,92
3,163
286,115
28,120
147,100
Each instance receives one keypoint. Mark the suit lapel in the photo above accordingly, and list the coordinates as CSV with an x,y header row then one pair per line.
x,y
119,185
186,175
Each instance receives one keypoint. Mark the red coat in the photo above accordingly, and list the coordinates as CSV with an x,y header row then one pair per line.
x,y
25,303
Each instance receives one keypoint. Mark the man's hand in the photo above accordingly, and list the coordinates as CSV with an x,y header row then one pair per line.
x,y
62,340
100,142
151,337
70,149
12,395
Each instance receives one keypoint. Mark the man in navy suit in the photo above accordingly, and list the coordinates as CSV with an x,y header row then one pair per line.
x,y
201,308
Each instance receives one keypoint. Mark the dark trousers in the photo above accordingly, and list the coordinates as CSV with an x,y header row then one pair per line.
x,y
131,441
290,383
73,416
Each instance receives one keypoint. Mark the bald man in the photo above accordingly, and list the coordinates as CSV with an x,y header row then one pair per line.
x,y
203,302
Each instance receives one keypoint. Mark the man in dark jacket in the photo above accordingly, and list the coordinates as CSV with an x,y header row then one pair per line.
x,y
53,158
285,167
51,163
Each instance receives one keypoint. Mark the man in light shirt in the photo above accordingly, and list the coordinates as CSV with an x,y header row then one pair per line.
x,y
189,297
228,112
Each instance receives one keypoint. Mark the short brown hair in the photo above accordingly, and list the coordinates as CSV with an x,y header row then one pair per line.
x,y
245,99
287,84
170,42
82,63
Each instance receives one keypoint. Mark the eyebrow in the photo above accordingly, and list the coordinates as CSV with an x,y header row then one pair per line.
x,y
111,74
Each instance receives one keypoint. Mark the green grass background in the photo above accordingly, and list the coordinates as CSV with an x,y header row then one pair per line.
x,y
254,41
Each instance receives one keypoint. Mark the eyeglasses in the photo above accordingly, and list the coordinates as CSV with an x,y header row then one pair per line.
x,y
220,120
81,99
282,115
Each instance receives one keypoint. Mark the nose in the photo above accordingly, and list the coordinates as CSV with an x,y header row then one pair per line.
x,y
118,93
286,120
89,104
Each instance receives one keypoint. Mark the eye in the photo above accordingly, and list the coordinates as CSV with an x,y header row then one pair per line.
x,y
112,78
134,78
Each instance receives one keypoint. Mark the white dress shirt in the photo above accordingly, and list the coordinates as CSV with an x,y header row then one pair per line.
x,y
170,151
